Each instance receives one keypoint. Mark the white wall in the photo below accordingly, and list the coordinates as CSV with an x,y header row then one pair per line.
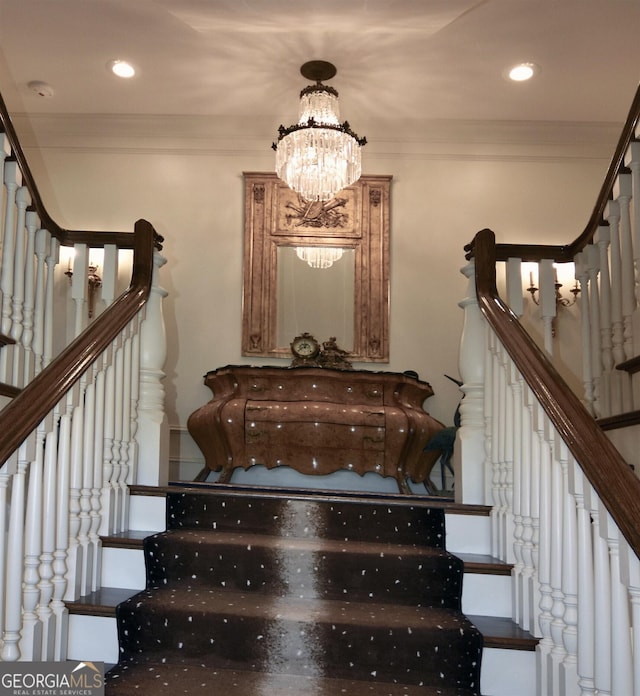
x,y
442,193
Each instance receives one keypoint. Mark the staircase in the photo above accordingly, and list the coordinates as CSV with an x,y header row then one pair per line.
x,y
293,562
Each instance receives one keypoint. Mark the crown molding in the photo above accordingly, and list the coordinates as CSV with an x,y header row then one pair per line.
x,y
227,136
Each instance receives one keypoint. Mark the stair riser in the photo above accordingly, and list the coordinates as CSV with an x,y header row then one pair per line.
x,y
427,579
301,647
327,519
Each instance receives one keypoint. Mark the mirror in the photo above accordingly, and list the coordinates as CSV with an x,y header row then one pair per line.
x,y
284,296
315,299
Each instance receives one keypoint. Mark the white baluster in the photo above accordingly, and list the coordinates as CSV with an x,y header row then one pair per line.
x,y
585,570
88,547
591,253
545,617
492,417
602,605
500,434
109,273
32,223
630,577
622,192
620,382
96,490
518,561
470,465
514,286
569,575
79,287
15,556
46,571
117,436
5,480
135,391
153,429
602,239
632,161
548,306
556,538
527,446
107,496
31,635
58,606
126,433
23,199
75,548
12,180
535,496
43,242
582,276
49,318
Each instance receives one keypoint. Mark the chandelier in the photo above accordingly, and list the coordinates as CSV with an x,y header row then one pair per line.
x,y
318,156
319,257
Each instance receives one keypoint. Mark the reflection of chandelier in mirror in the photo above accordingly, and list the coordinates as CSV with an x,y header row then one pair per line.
x,y
319,257
318,156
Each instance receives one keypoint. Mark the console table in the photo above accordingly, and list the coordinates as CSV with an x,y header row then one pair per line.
x,y
316,421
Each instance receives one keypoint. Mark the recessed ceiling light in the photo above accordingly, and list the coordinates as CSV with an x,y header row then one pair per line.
x,y
522,72
121,68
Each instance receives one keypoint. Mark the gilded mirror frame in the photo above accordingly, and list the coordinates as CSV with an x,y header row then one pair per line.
x,y
274,217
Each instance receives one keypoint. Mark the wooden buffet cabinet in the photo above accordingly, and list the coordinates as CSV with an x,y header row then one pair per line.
x,y
316,421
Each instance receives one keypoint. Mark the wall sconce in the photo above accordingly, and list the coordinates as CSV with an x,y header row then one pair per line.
x,y
94,281
560,300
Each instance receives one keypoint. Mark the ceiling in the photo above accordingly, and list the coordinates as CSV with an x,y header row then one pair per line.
x,y
398,61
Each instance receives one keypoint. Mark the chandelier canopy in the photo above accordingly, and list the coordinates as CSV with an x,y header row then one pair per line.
x,y
318,156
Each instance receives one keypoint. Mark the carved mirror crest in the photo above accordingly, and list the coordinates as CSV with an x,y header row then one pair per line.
x,y
285,295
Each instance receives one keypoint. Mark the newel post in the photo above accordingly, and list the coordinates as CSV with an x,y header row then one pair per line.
x,y
469,464
152,434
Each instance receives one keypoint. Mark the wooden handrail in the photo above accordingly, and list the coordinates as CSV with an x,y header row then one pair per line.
x,y
566,252
123,240
23,414
611,477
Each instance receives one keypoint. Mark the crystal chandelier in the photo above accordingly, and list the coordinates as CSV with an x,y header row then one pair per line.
x,y
318,156
319,257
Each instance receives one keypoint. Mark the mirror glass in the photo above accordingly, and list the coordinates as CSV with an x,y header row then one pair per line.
x,y
319,301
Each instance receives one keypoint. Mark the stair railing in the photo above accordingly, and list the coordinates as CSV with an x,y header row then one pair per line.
x,y
69,434
565,504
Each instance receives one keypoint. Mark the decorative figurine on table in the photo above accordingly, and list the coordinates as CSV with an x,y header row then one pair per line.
x,y
332,356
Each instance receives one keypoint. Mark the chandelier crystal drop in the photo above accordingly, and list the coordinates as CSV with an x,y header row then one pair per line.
x,y
318,156
319,257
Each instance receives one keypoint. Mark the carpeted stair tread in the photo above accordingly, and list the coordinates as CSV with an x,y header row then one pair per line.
x,y
233,630
322,568
307,517
207,602
171,679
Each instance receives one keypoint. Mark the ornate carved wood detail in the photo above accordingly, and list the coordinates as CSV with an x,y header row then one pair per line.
x,y
357,218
